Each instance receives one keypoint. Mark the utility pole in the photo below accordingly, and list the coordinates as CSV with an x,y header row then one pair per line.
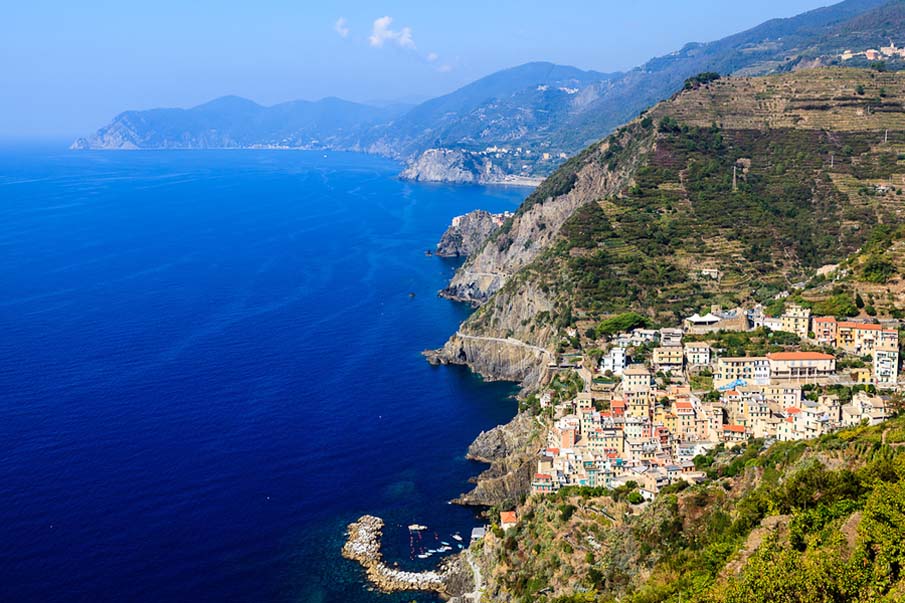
x,y
735,178
886,137
832,160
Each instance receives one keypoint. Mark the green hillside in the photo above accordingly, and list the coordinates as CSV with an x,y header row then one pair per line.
x,y
758,178
809,521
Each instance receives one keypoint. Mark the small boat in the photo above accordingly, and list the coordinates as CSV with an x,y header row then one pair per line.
x,y
460,546
412,294
423,556
444,543
417,527
457,537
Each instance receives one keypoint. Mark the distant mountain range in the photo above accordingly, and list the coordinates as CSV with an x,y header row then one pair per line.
x,y
234,122
522,121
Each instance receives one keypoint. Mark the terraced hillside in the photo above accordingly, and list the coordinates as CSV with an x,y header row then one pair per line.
x,y
752,177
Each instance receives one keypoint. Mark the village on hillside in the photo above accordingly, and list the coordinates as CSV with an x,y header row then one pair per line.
x,y
659,402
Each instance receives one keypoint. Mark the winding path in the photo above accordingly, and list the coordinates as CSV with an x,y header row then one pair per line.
x,y
506,341
478,591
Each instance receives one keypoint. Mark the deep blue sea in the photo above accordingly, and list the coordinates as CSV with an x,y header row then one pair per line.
x,y
210,364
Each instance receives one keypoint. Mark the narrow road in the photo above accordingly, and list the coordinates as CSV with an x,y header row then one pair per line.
x,y
478,591
507,341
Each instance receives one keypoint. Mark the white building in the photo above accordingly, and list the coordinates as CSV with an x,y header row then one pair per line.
x,y
613,361
886,368
697,353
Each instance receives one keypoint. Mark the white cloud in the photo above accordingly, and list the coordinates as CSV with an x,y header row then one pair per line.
x,y
445,68
432,56
341,27
381,33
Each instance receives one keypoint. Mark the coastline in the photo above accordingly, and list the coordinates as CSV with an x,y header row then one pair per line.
x,y
507,451
507,180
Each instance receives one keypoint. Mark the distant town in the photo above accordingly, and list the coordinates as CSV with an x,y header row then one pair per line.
x,y
872,54
657,400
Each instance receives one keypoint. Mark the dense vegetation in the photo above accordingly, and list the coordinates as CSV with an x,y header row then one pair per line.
x,y
757,205
820,520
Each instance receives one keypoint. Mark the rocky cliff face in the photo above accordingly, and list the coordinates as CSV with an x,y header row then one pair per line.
x,y
630,222
467,233
447,165
510,450
536,224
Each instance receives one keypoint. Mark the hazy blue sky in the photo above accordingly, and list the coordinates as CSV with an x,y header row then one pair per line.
x,y
67,67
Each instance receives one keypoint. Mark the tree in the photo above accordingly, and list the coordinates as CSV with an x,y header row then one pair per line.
x,y
621,323
859,90
877,270
701,79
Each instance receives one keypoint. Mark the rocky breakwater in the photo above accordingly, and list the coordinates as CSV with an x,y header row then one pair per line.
x,y
452,578
468,232
511,450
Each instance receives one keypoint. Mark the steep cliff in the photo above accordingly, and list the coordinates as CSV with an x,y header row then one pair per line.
x,y
445,165
511,451
468,232
754,177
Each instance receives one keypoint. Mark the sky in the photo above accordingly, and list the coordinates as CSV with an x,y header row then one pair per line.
x,y
68,67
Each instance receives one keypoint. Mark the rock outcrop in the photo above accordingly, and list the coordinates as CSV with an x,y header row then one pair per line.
x,y
468,232
445,165
510,450
533,228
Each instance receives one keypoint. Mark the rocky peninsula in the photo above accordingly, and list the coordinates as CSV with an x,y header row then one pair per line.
x,y
468,232
452,578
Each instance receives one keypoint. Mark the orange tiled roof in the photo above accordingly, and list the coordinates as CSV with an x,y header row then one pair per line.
x,y
508,517
825,319
799,356
793,410
734,428
860,325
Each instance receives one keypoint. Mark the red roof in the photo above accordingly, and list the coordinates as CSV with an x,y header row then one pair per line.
x,y
554,451
542,476
733,392
793,410
824,319
800,356
508,517
734,428
860,325
683,405
618,403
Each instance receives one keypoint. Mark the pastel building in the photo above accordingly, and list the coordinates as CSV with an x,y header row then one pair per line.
x,y
796,319
801,366
742,370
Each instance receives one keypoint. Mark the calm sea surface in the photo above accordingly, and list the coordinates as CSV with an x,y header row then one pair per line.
x,y
210,364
